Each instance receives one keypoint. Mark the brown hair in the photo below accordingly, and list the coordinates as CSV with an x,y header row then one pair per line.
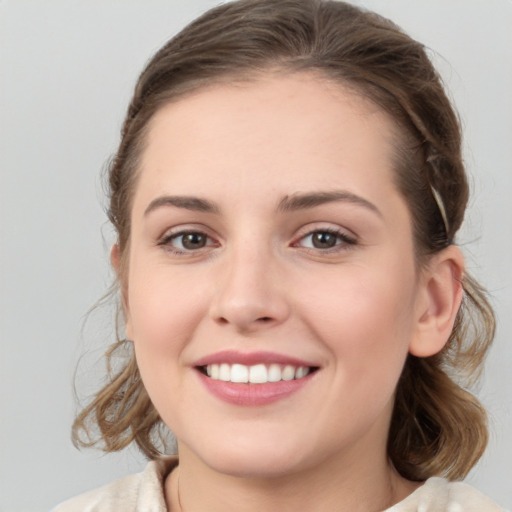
x,y
438,427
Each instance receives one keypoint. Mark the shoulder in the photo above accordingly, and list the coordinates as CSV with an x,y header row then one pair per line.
x,y
472,500
126,494
440,495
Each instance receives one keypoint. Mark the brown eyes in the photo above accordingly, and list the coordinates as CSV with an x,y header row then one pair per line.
x,y
187,241
323,240
191,241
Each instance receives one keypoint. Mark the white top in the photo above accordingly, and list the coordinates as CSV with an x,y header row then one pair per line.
x,y
144,492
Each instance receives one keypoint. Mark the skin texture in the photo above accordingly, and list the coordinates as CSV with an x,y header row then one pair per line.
x,y
259,283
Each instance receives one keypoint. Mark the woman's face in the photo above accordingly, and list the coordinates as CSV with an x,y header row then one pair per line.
x,y
269,243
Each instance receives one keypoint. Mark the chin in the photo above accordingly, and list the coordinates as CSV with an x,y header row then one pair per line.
x,y
252,458
249,466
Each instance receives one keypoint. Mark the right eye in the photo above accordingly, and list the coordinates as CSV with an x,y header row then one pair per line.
x,y
186,241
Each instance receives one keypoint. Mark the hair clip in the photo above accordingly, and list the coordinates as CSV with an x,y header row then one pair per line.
x,y
440,205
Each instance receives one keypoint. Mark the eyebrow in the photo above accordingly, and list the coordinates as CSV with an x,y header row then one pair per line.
x,y
187,202
290,203
310,200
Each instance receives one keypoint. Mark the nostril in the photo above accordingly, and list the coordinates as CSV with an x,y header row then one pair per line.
x,y
265,319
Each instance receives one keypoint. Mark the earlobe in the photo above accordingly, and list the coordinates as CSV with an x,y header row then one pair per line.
x,y
441,295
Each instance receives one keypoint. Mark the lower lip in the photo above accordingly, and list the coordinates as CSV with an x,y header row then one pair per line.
x,y
252,394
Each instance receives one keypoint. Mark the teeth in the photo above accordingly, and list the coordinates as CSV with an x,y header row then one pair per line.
x,y
224,372
256,374
239,373
288,373
301,371
274,373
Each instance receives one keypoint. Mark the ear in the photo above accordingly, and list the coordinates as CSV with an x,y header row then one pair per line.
x,y
439,300
115,260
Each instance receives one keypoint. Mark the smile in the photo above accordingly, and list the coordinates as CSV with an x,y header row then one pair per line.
x,y
254,379
255,374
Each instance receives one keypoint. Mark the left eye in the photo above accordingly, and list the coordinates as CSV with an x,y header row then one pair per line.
x,y
324,239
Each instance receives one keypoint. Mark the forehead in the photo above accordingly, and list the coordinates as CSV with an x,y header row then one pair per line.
x,y
286,130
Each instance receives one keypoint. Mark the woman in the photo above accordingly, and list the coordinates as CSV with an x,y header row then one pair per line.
x,y
286,196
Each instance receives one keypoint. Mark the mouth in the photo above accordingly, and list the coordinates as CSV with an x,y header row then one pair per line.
x,y
254,379
255,374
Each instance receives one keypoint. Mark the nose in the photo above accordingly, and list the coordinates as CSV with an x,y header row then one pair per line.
x,y
249,295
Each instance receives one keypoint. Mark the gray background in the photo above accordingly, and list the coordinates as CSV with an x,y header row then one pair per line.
x,y
66,69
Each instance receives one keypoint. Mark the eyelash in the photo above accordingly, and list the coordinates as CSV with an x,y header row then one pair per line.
x,y
166,242
343,241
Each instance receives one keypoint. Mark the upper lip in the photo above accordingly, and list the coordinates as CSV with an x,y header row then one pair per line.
x,y
250,358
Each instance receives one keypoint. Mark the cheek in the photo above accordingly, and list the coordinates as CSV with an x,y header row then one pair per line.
x,y
366,319
163,313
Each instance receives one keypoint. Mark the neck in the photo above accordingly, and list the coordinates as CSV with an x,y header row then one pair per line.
x,y
346,485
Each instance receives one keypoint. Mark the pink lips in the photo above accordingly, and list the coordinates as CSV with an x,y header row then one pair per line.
x,y
247,394
235,357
